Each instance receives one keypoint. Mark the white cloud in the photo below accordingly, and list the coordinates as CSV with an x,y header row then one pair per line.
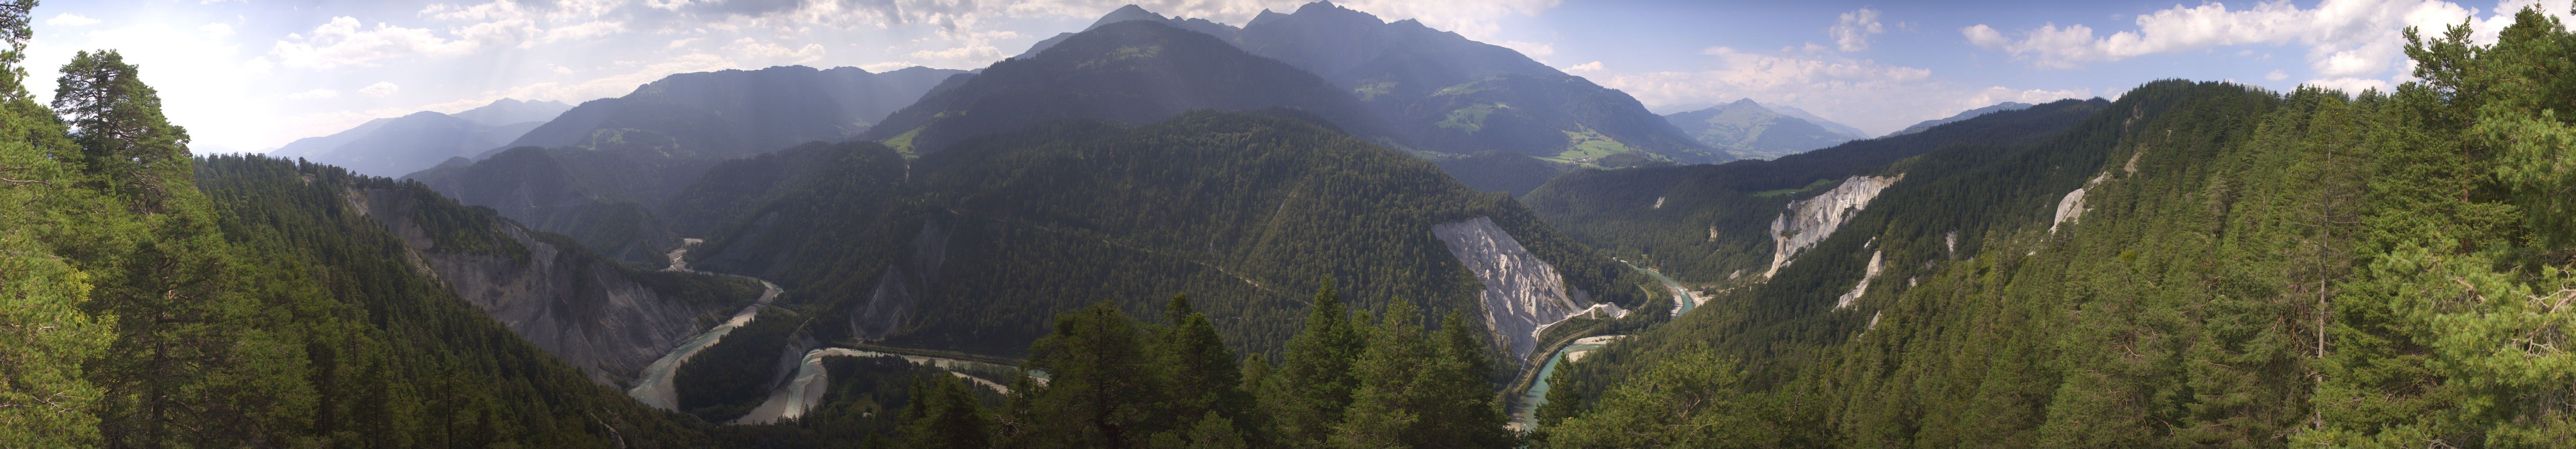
x,y
379,89
2352,85
1851,32
584,30
1984,36
70,20
216,30
974,49
315,94
883,67
1594,66
212,86
2344,38
345,42
774,53
2276,75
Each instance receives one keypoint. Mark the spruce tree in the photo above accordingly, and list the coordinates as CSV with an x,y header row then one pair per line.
x,y
1096,399
945,415
1314,378
1466,413
1198,370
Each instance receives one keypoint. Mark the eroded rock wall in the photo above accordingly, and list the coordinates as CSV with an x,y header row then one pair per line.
x,y
580,307
1522,295
1809,221
901,286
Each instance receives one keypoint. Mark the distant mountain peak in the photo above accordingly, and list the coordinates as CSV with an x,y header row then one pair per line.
x,y
1126,13
510,110
1329,9
1964,115
1747,128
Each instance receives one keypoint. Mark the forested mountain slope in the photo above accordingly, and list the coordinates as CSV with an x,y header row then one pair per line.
x,y
262,311
600,315
2198,265
978,246
597,171
1962,115
1446,97
735,113
1710,223
1459,96
1137,71
596,197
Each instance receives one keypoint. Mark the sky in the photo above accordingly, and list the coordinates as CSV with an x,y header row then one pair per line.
x,y
251,75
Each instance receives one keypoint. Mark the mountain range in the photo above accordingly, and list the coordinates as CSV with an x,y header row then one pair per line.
x,y
1963,115
1752,130
401,145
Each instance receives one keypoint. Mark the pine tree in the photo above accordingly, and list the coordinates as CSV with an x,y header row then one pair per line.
x,y
190,370
45,398
117,122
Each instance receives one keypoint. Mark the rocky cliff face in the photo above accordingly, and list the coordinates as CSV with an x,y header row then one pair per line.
x,y
587,310
1876,258
902,285
2071,206
1810,220
1523,295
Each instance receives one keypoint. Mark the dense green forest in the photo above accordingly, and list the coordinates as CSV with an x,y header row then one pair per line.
x,y
1704,223
1242,208
976,248
260,311
1132,72
1348,379
2248,269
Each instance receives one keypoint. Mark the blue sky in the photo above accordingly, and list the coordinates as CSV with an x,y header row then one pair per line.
x,y
249,75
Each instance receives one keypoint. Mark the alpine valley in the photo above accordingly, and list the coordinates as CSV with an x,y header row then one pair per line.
x,y
1304,229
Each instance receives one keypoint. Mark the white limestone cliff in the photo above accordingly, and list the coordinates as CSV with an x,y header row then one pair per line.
x,y
2071,207
1871,274
1808,221
1523,294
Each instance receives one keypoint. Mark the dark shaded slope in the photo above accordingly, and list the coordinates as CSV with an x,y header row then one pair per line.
x,y
605,164
1460,96
1126,72
733,113
1962,115
401,145
990,239
390,356
1133,12
569,191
